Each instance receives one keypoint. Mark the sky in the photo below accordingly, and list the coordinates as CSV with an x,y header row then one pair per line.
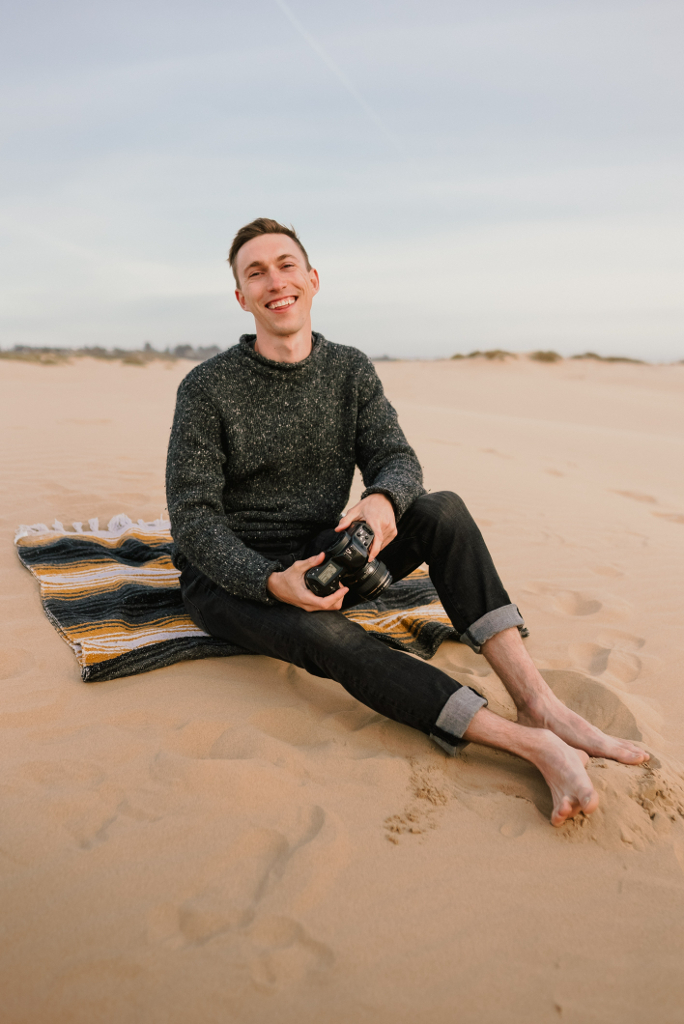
x,y
465,174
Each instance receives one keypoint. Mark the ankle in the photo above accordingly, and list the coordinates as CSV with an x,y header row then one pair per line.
x,y
533,743
537,707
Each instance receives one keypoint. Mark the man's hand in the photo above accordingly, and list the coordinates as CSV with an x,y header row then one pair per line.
x,y
290,588
378,511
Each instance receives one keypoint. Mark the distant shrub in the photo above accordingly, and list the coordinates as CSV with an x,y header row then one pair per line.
x,y
132,357
545,357
45,356
498,353
492,353
609,359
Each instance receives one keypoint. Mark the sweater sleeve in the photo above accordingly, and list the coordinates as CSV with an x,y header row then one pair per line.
x,y
194,489
387,461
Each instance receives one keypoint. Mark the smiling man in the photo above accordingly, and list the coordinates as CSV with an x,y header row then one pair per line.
x,y
263,449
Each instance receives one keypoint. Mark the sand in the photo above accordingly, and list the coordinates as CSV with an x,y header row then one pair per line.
x,y
235,840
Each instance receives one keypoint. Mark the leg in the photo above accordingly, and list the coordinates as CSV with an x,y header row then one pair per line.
x,y
539,708
328,644
439,530
562,766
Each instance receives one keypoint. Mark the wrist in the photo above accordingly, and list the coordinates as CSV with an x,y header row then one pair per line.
x,y
272,584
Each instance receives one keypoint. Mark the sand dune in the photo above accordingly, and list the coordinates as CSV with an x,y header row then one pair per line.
x,y
235,840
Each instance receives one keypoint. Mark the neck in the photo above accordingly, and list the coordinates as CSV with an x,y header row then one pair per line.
x,y
291,348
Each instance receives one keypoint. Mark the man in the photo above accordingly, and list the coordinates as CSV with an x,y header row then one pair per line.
x,y
263,448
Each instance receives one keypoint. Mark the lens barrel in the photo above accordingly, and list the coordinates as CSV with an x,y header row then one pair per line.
x,y
370,582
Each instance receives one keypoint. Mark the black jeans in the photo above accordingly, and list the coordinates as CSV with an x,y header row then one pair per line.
x,y
436,529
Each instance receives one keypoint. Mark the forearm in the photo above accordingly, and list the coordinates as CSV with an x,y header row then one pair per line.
x,y
207,542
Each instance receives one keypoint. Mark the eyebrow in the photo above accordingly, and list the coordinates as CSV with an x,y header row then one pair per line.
x,y
260,263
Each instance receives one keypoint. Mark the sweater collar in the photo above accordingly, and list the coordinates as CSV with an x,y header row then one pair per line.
x,y
247,342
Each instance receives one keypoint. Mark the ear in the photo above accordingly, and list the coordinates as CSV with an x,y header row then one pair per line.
x,y
315,281
241,299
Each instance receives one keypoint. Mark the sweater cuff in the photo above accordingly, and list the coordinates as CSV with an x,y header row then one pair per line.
x,y
259,589
400,502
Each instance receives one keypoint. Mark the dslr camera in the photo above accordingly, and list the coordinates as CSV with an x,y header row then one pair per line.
x,y
346,563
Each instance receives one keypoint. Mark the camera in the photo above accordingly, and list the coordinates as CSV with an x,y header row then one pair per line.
x,y
346,563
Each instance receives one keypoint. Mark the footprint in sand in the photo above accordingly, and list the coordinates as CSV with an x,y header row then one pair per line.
x,y
288,954
230,901
260,870
614,654
570,602
593,701
597,660
299,726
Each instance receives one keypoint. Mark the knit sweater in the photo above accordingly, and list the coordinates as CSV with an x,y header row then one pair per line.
x,y
263,453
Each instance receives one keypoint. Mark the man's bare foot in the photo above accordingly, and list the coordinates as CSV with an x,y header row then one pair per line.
x,y
539,708
563,768
548,712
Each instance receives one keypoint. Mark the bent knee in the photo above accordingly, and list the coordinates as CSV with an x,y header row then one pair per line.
x,y
441,505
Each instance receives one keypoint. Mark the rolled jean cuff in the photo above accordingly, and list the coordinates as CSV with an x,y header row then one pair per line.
x,y
492,623
455,717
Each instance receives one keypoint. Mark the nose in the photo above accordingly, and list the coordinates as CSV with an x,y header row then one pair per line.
x,y
276,280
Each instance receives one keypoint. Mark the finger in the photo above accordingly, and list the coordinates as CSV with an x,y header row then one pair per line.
x,y
307,563
348,518
333,602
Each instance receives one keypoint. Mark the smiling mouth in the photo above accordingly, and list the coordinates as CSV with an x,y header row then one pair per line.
x,y
288,300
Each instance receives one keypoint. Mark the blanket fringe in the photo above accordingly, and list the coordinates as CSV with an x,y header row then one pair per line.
x,y
117,525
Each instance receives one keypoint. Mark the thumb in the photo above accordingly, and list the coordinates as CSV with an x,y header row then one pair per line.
x,y
308,563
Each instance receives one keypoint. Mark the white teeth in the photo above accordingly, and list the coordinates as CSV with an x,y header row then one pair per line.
x,y
280,303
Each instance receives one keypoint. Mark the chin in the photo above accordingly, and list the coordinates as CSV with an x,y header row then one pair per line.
x,y
285,330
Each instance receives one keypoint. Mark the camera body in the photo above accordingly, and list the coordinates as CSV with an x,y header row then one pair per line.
x,y
346,563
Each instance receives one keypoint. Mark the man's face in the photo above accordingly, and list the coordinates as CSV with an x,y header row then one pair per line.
x,y
275,285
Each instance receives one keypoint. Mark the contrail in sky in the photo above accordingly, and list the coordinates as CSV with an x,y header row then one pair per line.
x,y
330,64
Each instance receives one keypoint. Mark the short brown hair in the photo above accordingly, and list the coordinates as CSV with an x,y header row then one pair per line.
x,y
261,226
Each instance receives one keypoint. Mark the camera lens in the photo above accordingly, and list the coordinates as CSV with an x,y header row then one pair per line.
x,y
370,582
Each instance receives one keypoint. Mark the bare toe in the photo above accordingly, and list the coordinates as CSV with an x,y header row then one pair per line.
x,y
564,769
561,813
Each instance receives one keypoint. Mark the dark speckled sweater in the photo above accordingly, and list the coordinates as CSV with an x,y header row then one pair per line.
x,y
262,455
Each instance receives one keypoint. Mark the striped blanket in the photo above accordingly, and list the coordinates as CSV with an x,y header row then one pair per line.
x,y
113,595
